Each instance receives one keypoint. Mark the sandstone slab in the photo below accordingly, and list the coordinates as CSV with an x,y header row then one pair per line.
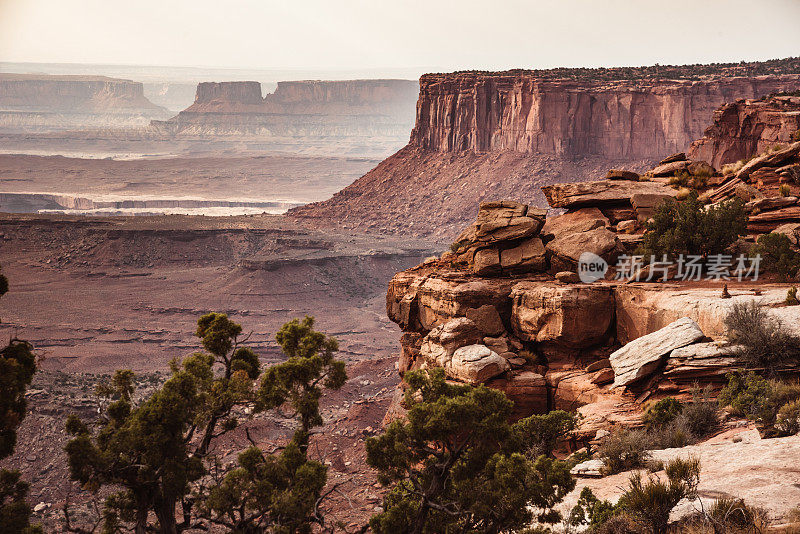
x,y
599,193
642,356
573,316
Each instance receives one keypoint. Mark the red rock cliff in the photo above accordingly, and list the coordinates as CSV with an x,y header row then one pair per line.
x,y
747,127
623,119
487,136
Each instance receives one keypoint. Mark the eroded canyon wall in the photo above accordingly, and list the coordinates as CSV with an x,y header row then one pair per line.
x,y
483,136
45,101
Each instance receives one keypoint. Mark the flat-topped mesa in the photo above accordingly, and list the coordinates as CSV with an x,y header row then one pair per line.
x,y
632,119
503,135
748,127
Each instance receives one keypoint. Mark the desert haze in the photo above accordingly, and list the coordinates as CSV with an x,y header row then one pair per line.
x,y
424,269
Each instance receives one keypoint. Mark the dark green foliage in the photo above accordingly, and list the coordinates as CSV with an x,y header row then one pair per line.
x,y
760,400
542,432
623,449
17,367
662,412
279,492
688,228
791,297
649,502
591,511
155,452
701,416
457,465
787,421
777,255
764,342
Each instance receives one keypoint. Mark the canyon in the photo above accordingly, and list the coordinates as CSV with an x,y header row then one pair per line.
x,y
481,136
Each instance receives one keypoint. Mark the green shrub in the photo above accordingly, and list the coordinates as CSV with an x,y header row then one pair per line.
x,y
662,412
784,190
761,400
701,416
623,450
591,511
689,181
791,297
762,340
777,255
689,228
787,421
650,502
728,514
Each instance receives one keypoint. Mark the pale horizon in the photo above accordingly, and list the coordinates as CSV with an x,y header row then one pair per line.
x,y
316,36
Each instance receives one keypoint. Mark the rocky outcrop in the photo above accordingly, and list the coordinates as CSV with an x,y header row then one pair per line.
x,y
48,102
343,113
642,356
748,127
483,136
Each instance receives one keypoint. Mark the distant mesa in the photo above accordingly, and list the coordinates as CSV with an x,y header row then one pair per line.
x,y
351,113
38,101
482,136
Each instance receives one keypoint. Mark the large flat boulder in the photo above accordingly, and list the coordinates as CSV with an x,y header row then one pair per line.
x,y
599,193
573,316
705,361
569,247
639,358
475,364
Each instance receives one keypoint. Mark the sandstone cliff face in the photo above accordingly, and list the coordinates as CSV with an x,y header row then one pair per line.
x,y
484,113
484,136
42,101
747,127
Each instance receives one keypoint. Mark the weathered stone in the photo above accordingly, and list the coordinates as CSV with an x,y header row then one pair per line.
x,y
768,204
642,356
573,316
680,156
747,192
457,333
580,220
486,262
669,169
770,220
771,159
487,319
599,193
603,376
605,363
627,226
702,361
506,220
497,344
790,230
568,277
599,241
527,389
588,469
621,174
527,256
475,364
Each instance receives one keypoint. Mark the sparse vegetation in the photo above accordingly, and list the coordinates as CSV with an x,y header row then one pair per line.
x,y
623,450
791,296
732,168
690,228
684,180
457,464
796,135
17,367
785,190
662,412
777,255
761,340
649,502
761,400
154,454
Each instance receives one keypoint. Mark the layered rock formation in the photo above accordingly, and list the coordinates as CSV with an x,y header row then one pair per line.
x,y
747,127
44,101
506,306
343,114
481,136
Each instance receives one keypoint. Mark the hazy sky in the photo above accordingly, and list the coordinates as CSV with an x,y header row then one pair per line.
x,y
374,34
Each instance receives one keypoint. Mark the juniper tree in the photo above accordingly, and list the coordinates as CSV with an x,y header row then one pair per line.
x,y
17,367
158,450
457,465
